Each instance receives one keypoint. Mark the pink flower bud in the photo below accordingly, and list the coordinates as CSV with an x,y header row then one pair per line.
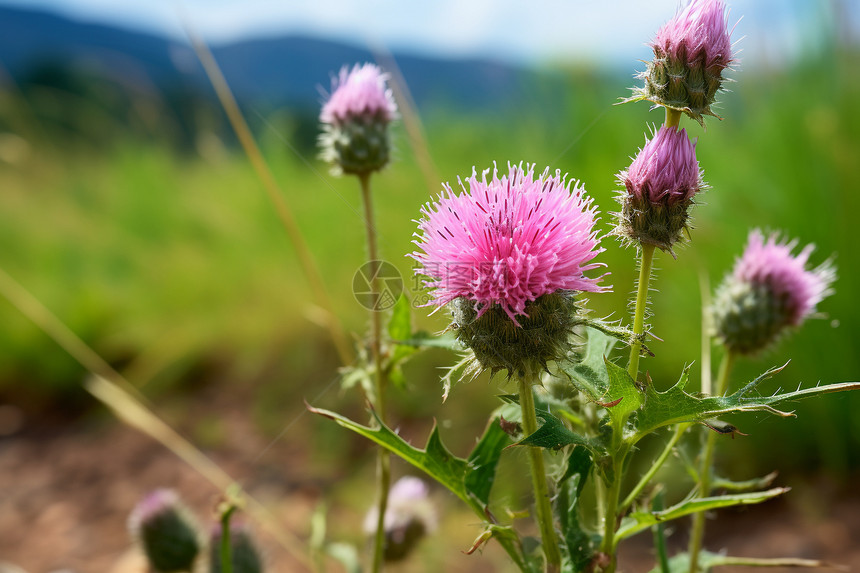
x,y
659,187
355,121
691,51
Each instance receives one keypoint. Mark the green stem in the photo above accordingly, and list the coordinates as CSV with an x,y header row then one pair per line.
x,y
655,467
673,118
660,536
641,303
383,458
226,549
610,517
705,470
549,538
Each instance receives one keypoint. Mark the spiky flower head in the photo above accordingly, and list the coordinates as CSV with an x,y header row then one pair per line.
x,y
409,516
769,291
691,51
355,121
166,531
659,187
244,555
507,256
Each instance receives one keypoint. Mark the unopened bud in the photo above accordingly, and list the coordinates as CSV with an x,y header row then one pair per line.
x,y
659,187
166,531
691,52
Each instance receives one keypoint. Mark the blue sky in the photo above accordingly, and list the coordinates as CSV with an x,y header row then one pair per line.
x,y
536,31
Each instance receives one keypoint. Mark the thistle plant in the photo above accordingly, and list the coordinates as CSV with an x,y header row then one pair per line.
x,y
171,540
355,141
166,532
508,257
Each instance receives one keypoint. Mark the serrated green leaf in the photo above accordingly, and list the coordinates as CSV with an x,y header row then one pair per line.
x,y
588,373
676,405
553,434
622,393
469,479
435,459
579,544
578,464
484,459
640,520
449,470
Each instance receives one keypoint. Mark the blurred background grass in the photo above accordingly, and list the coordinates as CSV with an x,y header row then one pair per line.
x,y
139,222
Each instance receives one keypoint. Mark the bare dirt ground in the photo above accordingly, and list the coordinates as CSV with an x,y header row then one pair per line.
x,y
65,494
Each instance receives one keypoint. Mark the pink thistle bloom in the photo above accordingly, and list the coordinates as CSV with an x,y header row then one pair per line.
x,y
358,93
770,263
769,291
665,169
508,241
698,30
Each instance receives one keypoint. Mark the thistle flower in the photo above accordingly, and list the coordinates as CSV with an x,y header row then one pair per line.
x,y
691,51
409,516
355,121
244,555
507,257
659,187
769,291
166,531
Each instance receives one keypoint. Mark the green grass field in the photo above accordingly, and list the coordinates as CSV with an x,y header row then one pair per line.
x,y
175,268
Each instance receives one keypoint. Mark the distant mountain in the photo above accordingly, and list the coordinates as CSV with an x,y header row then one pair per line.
x,y
285,70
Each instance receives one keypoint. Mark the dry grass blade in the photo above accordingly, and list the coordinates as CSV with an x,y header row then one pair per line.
x,y
240,126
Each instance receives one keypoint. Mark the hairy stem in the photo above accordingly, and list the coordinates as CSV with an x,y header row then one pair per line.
x,y
655,467
383,458
612,510
549,538
639,310
705,470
